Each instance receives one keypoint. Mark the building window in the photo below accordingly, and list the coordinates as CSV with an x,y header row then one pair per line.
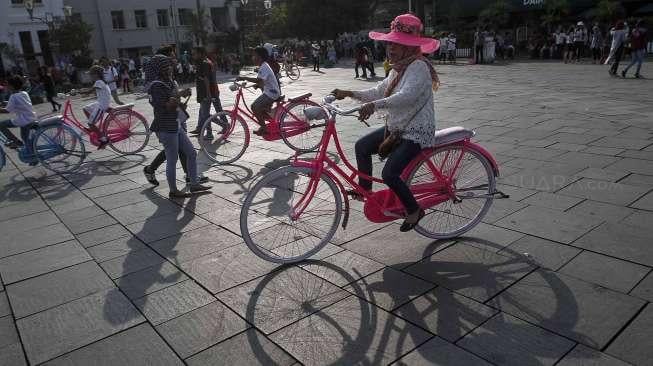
x,y
185,16
162,17
118,19
20,2
141,18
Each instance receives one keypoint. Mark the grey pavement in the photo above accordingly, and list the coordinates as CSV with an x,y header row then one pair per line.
x,y
99,268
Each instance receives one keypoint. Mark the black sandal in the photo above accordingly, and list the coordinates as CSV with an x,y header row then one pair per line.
x,y
407,226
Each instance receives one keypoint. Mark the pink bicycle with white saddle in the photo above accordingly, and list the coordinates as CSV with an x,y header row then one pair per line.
x,y
294,211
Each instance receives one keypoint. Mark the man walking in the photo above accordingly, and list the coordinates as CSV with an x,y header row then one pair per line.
x,y
479,43
207,90
638,46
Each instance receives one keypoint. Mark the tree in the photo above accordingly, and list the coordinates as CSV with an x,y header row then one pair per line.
x,y
496,14
607,10
326,19
277,25
199,27
73,36
554,12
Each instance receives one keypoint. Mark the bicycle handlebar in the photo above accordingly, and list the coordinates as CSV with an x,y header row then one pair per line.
x,y
328,104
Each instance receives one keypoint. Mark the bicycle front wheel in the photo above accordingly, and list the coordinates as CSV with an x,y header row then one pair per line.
x,y
224,137
59,148
298,133
293,72
271,222
128,132
473,183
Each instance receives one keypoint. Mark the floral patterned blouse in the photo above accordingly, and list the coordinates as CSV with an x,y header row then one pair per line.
x,y
410,107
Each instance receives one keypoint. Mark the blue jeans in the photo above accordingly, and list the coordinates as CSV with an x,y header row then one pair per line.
x,y
399,158
637,58
172,143
205,112
4,129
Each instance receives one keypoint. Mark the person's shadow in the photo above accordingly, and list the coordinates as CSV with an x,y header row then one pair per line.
x,y
136,285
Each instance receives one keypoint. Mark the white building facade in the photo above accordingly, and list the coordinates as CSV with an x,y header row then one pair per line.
x,y
27,39
138,27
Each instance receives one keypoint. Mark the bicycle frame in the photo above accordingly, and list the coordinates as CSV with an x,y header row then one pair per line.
x,y
274,130
381,206
114,135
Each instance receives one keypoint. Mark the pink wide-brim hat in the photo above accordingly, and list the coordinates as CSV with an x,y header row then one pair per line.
x,y
406,29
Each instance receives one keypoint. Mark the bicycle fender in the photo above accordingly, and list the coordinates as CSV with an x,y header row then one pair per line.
x,y
483,151
310,165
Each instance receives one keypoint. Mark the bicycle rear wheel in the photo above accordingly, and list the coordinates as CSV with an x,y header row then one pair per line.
x,y
298,133
293,72
224,137
59,148
474,183
128,132
266,218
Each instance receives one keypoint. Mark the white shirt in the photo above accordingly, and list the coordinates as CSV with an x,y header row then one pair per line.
x,y
110,75
103,94
20,104
270,83
132,65
410,107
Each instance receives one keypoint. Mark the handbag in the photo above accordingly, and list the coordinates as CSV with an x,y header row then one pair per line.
x,y
392,139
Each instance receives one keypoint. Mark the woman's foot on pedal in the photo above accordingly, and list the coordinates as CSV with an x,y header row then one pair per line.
x,y
104,141
355,195
412,220
261,131
150,176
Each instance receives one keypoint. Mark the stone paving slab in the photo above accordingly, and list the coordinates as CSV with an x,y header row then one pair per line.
x,y
136,346
249,348
40,261
626,242
440,353
195,243
25,241
281,298
582,311
544,253
115,248
507,340
345,334
582,355
173,301
202,328
630,345
608,272
62,329
157,277
549,224
55,288
470,271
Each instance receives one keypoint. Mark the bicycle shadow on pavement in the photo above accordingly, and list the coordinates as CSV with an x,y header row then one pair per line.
x,y
461,299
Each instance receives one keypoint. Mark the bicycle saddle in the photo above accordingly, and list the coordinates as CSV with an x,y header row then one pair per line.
x,y
301,97
452,134
121,107
54,120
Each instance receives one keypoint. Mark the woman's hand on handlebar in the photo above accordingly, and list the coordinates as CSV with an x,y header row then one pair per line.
x,y
341,94
366,111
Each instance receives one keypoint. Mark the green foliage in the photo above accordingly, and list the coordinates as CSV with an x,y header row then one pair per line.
x,y
496,14
9,51
608,10
326,19
73,36
555,11
277,25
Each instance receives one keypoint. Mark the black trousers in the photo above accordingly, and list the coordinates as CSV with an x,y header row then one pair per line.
x,y
161,158
617,58
368,145
479,54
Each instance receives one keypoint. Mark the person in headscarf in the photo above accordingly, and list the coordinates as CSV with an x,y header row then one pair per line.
x,y
168,121
406,95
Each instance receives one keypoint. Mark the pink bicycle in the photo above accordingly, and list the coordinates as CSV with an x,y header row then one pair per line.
x,y
294,211
286,123
128,130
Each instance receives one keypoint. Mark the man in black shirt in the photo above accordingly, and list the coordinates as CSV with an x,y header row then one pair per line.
x,y
207,90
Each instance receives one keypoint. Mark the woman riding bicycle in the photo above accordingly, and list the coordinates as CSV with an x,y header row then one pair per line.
x,y
406,95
